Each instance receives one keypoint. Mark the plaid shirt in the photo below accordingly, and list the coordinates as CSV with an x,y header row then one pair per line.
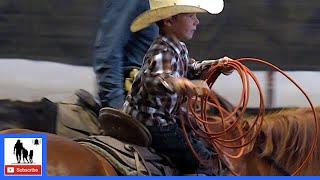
x,y
152,100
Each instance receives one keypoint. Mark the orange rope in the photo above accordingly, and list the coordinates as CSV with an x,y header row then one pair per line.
x,y
230,122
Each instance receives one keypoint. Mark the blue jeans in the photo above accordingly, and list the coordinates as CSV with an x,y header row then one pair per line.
x,y
117,50
170,141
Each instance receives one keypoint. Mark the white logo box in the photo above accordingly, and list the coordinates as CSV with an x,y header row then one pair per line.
x,y
31,164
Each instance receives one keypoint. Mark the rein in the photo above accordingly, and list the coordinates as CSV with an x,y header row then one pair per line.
x,y
232,122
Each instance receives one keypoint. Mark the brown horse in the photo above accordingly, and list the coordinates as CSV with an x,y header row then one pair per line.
x,y
282,146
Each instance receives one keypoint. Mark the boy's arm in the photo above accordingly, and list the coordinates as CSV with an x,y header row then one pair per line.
x,y
158,83
159,77
198,67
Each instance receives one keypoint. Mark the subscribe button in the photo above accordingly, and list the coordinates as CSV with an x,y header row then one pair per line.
x,y
23,170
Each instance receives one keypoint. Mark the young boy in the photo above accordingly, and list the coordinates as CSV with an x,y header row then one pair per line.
x,y
158,93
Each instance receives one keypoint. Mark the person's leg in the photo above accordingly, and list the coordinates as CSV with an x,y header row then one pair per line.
x,y
137,46
139,42
18,157
108,52
205,153
110,47
169,140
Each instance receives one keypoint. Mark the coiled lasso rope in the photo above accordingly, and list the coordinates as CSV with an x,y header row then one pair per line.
x,y
226,132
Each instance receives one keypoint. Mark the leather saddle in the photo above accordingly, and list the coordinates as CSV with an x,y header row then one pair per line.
x,y
121,126
88,118
129,159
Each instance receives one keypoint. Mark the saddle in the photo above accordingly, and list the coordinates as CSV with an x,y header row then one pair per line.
x,y
129,159
74,121
121,126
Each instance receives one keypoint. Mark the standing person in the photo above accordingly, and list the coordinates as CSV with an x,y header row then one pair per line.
x,y
17,150
117,50
158,93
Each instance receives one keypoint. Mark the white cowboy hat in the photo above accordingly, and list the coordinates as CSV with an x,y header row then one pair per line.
x,y
162,9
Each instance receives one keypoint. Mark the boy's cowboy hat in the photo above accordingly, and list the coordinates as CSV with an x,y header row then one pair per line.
x,y
162,9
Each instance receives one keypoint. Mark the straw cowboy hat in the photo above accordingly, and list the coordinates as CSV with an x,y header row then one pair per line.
x,y
162,9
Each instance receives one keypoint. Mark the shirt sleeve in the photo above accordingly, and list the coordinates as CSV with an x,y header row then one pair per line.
x,y
159,71
194,70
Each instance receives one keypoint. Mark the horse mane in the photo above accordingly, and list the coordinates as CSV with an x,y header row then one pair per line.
x,y
288,136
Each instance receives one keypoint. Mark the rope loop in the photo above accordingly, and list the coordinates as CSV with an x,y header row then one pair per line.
x,y
226,131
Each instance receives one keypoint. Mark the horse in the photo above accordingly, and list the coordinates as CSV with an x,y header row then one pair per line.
x,y
282,145
287,129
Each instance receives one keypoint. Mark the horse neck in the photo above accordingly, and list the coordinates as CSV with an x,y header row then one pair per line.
x,y
286,137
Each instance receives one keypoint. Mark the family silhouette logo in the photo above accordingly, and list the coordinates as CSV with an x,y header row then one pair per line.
x,y
23,156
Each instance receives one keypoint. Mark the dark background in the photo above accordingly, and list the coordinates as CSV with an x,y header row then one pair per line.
x,y
283,32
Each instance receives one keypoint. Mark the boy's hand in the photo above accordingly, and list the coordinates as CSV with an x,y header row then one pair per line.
x,y
223,61
205,64
201,87
226,70
185,86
